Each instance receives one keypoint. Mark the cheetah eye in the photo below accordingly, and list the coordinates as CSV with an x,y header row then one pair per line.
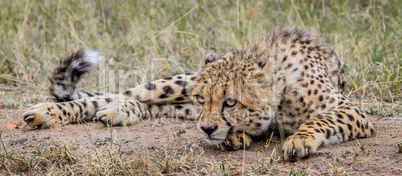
x,y
230,102
199,99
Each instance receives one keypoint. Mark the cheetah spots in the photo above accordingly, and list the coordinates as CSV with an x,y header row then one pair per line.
x,y
188,112
168,78
168,90
181,83
358,124
127,93
357,111
328,133
262,64
310,123
95,103
71,104
321,98
138,97
79,106
349,127
108,100
179,99
332,100
288,66
340,121
351,118
178,107
330,121
150,86
284,58
184,92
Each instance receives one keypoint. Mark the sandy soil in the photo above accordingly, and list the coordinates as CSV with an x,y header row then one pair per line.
x,y
378,156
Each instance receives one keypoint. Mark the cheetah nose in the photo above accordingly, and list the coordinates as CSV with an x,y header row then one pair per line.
x,y
209,129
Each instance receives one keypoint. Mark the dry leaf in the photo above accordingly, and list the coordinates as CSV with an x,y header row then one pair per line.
x,y
252,14
10,125
1,106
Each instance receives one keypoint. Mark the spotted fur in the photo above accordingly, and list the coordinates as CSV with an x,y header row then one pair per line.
x,y
288,82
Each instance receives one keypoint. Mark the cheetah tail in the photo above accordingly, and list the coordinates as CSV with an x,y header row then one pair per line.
x,y
65,77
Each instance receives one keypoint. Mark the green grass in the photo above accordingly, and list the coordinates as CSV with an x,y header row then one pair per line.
x,y
149,36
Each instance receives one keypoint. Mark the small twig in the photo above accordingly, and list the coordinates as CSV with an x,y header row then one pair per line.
x,y
297,12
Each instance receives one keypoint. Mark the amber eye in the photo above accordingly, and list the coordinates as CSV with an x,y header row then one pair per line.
x,y
199,99
230,102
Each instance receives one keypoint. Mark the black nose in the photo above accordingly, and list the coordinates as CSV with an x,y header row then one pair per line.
x,y
209,129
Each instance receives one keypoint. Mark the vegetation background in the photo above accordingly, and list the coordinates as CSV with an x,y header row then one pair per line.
x,y
36,35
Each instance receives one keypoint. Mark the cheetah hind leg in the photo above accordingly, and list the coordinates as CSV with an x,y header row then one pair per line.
x,y
39,116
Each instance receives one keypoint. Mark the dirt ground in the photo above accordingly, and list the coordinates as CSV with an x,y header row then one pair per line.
x,y
374,156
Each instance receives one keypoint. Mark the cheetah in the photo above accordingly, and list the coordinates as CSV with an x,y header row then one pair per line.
x,y
289,82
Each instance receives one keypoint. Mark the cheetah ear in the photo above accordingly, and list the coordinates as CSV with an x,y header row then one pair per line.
x,y
208,58
264,74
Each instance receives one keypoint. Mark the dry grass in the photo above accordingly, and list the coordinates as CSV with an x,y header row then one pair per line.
x,y
159,38
47,157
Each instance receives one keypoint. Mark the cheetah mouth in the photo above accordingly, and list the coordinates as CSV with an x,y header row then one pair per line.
x,y
214,140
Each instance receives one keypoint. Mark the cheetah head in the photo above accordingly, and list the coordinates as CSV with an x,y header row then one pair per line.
x,y
233,94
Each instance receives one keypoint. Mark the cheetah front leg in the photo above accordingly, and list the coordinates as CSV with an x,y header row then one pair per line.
x,y
348,123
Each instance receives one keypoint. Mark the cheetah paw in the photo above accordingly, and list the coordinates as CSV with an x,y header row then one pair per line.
x,y
236,141
298,147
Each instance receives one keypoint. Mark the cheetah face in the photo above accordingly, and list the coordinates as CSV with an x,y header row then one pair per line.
x,y
228,100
